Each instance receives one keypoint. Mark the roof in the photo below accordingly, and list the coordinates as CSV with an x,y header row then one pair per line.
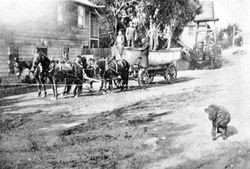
x,y
207,11
88,3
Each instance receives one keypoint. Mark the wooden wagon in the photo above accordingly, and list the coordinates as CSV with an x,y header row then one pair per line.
x,y
160,62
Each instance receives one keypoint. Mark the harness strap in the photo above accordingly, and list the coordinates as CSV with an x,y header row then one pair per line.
x,y
43,54
116,67
60,66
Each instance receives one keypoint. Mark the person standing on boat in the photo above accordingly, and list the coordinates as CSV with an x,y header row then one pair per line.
x,y
119,43
153,34
130,35
143,58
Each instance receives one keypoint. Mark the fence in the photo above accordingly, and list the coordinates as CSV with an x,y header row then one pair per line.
x,y
97,52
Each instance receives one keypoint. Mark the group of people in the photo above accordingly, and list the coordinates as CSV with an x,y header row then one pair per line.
x,y
152,36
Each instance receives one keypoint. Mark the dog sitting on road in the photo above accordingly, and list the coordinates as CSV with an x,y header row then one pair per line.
x,y
220,117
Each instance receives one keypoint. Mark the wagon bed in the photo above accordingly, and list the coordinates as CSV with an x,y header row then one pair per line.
x,y
160,62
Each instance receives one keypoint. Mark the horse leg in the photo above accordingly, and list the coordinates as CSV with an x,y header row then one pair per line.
x,y
65,87
55,87
126,81
39,88
105,85
68,85
76,89
123,83
111,85
44,87
79,86
101,87
91,85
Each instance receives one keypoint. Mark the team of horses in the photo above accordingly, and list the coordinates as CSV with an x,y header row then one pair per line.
x,y
69,73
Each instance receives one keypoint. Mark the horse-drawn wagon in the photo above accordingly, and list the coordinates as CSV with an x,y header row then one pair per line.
x,y
160,62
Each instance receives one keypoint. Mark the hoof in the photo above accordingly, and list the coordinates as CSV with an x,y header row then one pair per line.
x,y
54,98
109,92
61,96
214,138
45,95
224,137
38,95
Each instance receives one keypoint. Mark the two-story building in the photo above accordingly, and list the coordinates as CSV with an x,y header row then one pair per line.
x,y
53,26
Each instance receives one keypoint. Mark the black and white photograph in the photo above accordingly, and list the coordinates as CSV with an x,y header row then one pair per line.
x,y
124,84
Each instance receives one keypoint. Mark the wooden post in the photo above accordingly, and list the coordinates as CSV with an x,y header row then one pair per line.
x,y
196,34
90,29
206,44
215,35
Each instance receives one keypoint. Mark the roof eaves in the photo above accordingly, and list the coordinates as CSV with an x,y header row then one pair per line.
x,y
88,3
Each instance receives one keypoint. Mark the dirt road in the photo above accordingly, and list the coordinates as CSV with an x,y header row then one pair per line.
x,y
164,126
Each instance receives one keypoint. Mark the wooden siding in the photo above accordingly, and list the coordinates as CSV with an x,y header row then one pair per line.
x,y
27,36
97,52
4,68
26,52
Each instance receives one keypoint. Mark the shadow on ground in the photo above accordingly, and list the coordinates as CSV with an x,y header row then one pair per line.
x,y
163,83
114,139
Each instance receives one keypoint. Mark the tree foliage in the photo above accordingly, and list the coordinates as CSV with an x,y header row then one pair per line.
x,y
118,13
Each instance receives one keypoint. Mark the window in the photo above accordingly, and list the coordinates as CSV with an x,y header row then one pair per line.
x,y
94,26
65,50
13,53
81,17
190,30
94,43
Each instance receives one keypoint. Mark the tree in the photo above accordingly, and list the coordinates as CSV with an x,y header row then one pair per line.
x,y
175,13
115,16
225,36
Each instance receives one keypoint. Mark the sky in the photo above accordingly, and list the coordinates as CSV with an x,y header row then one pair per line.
x,y
233,11
228,11
16,11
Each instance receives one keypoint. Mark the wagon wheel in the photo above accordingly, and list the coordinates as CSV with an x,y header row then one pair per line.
x,y
118,83
143,78
171,74
151,79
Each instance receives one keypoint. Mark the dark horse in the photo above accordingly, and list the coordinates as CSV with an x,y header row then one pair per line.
x,y
40,67
58,71
19,68
109,70
87,70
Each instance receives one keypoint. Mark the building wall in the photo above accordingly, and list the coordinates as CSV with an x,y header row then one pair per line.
x,y
45,32
4,68
188,35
